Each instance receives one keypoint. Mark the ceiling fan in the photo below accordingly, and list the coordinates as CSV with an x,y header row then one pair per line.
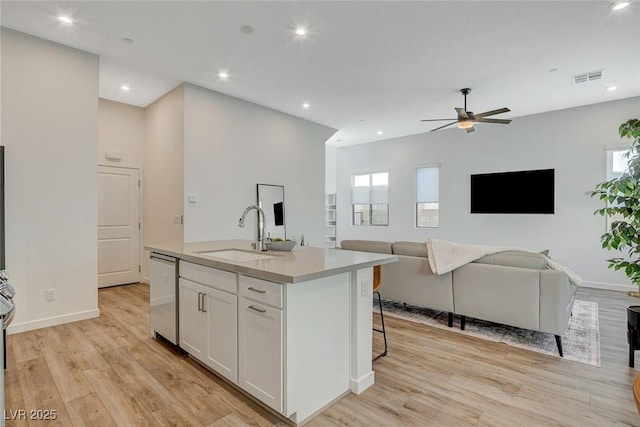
x,y
466,119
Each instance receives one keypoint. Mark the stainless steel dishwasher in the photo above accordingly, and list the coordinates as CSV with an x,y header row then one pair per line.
x,y
163,301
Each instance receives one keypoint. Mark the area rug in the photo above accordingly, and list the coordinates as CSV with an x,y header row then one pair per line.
x,y
580,343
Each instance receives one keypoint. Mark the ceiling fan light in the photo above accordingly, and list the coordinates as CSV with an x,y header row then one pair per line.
x,y
465,124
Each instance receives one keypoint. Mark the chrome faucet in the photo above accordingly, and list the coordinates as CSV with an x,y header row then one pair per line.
x,y
261,225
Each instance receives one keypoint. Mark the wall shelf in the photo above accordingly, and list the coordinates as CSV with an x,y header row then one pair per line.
x,y
330,220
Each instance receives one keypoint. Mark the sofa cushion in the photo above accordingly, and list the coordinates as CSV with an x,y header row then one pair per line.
x,y
410,249
367,246
519,259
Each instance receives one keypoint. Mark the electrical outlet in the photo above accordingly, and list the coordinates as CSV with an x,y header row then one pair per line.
x,y
364,288
51,294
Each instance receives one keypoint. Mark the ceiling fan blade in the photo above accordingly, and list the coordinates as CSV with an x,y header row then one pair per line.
x,y
441,127
492,112
471,129
462,114
435,120
499,121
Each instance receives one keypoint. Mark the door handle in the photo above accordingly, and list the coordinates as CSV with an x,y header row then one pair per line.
x,y
259,310
199,301
203,309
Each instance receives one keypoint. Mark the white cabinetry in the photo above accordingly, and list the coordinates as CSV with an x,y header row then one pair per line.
x,y
295,347
192,337
260,334
260,350
208,317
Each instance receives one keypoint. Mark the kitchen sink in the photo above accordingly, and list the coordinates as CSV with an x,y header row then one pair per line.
x,y
236,255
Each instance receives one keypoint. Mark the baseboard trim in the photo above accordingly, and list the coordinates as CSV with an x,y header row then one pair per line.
x,y
361,384
609,286
15,328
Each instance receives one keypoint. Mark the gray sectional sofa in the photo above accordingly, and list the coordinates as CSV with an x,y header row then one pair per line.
x,y
511,287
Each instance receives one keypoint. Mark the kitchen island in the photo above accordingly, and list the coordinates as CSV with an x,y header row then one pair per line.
x,y
291,329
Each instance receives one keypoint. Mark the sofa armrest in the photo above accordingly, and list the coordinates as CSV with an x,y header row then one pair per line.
x,y
557,294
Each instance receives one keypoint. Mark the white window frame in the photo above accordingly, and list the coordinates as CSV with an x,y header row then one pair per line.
x,y
369,198
431,199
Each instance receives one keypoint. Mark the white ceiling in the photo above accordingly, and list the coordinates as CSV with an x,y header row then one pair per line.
x,y
365,66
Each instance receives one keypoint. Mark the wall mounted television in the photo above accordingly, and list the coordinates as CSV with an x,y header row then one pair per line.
x,y
520,192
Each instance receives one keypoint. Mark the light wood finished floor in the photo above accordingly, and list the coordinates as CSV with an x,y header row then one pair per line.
x,y
109,371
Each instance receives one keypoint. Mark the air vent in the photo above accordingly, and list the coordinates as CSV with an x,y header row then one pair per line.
x,y
587,77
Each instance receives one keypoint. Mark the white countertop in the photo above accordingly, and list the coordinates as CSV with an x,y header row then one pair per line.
x,y
299,265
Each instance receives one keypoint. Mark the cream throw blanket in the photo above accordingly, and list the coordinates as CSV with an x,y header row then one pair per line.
x,y
446,256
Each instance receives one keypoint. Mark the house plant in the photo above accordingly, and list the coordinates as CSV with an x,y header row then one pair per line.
x,y
622,205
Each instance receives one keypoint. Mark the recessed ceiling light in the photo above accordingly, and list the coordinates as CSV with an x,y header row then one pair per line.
x,y
125,88
619,5
306,105
65,19
223,75
301,31
380,132
611,88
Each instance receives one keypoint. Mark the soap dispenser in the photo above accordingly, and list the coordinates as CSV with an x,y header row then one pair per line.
x,y
302,240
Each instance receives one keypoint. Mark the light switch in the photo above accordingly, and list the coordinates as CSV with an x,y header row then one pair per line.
x,y
193,198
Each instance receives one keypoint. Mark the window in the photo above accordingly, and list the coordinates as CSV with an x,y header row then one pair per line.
x,y
427,196
617,165
370,199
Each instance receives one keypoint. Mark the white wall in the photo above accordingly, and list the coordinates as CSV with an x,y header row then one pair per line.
x,y
571,141
330,169
120,132
50,130
230,146
163,171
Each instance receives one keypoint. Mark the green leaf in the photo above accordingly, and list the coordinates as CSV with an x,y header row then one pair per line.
x,y
621,197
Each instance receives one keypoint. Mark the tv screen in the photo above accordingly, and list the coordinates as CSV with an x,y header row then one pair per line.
x,y
278,213
521,192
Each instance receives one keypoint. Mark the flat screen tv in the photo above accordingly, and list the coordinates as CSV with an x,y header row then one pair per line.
x,y
521,192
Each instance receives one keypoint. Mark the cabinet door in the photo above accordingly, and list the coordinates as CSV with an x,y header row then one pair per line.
x,y
221,309
192,318
260,347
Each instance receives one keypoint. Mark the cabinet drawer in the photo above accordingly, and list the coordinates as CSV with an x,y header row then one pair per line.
x,y
219,279
263,291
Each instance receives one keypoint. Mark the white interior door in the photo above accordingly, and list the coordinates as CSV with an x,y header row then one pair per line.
x,y
118,226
